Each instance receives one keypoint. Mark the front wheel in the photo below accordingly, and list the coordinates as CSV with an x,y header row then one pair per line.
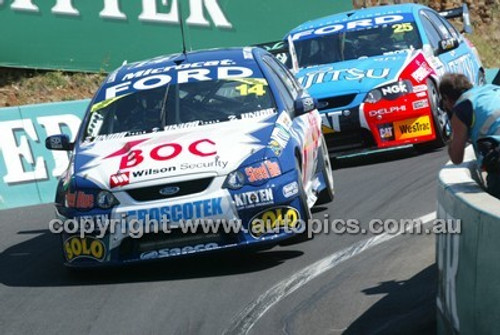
x,y
439,120
327,194
307,215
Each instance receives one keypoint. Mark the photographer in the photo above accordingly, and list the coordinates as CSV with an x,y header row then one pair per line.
x,y
475,116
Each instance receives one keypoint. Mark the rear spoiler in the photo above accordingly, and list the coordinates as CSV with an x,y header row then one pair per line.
x,y
275,48
462,12
284,51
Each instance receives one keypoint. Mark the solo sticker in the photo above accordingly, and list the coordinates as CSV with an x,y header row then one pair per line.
x,y
273,221
88,247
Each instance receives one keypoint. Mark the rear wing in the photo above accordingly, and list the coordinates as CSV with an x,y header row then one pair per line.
x,y
459,12
279,49
276,47
284,51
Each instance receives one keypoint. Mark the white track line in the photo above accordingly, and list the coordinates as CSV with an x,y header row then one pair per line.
x,y
246,319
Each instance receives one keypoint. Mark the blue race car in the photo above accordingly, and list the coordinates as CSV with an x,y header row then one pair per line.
x,y
375,73
224,140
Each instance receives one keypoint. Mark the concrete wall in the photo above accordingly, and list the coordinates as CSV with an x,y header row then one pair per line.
x,y
28,171
469,271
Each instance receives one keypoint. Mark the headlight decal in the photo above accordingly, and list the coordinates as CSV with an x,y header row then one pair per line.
x,y
254,174
86,200
263,171
79,199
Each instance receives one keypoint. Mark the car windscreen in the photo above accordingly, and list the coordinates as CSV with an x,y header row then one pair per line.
x,y
184,105
354,44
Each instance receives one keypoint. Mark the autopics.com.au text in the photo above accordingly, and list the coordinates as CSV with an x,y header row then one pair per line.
x,y
135,228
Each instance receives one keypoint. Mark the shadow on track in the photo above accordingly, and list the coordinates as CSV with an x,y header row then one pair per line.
x,y
38,263
409,307
370,158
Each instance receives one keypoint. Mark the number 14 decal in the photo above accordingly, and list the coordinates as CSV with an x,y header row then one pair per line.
x,y
245,89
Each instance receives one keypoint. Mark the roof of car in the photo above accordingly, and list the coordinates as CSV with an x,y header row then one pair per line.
x,y
161,70
240,55
359,14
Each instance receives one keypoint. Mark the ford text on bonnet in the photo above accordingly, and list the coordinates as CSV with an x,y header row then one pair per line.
x,y
375,73
213,136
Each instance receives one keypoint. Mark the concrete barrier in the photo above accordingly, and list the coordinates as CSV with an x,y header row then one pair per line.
x,y
28,171
469,269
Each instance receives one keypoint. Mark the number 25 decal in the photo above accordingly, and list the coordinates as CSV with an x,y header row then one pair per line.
x,y
402,27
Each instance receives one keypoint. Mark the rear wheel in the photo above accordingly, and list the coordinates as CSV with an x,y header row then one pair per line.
x,y
327,194
439,119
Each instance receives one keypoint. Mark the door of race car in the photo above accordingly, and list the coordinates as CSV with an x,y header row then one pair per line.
x,y
306,126
441,35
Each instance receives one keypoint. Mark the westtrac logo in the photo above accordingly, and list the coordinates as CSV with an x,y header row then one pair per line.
x,y
414,128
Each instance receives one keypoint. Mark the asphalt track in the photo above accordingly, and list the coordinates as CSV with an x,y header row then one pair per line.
x,y
387,288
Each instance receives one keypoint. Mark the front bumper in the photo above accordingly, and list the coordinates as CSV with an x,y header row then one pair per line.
x,y
408,120
120,245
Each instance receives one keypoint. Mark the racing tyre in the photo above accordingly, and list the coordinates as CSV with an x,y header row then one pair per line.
x,y
327,194
302,237
439,119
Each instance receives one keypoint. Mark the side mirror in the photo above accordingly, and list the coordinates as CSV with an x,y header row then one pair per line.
x,y
59,142
305,105
447,45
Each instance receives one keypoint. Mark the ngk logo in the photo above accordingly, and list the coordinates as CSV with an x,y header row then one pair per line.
x,y
163,152
399,87
119,179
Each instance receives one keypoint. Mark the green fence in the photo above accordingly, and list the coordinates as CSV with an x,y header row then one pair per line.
x,y
100,35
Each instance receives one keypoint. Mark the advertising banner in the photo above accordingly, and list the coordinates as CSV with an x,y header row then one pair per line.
x,y
100,35
28,171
